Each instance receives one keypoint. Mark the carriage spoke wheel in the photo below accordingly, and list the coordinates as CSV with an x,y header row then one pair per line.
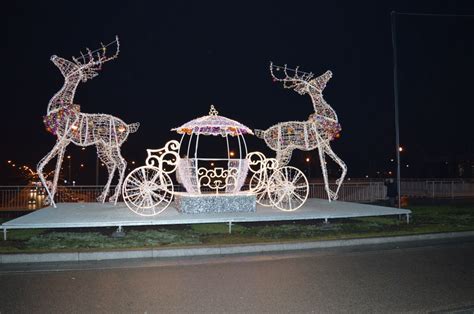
x,y
147,191
258,185
288,188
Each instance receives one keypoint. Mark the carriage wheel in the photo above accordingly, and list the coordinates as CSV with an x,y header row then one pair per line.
x,y
147,191
258,185
288,188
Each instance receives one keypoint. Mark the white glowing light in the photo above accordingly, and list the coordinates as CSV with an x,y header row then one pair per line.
x,y
65,120
148,190
283,187
316,133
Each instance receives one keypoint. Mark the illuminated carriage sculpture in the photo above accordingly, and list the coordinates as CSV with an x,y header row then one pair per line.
x,y
149,190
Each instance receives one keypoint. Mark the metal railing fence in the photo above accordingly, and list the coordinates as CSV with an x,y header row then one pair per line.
x,y
32,197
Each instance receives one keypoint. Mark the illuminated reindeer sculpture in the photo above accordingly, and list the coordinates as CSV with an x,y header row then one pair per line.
x,y
316,133
65,120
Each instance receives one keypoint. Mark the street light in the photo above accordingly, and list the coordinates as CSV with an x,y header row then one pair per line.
x,y
231,153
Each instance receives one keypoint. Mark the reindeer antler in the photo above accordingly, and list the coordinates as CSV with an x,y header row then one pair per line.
x,y
91,62
98,56
298,74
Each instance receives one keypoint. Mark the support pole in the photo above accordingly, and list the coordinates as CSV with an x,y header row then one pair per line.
x,y
119,233
97,170
395,92
230,227
4,234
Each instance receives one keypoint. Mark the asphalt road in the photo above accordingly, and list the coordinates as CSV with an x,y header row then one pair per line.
x,y
375,279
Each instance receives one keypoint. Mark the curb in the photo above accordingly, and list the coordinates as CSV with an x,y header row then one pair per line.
x,y
219,250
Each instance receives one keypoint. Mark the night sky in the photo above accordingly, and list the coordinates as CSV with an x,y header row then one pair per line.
x,y
177,58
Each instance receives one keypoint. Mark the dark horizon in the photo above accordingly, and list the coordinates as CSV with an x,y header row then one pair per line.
x,y
179,58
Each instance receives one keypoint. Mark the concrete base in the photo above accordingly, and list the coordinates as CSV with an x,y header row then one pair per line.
x,y
187,203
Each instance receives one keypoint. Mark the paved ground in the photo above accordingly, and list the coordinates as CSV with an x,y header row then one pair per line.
x,y
380,279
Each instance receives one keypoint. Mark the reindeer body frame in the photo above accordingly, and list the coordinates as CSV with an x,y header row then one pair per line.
x,y
316,133
65,120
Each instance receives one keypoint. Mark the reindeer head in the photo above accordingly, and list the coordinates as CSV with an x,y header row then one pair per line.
x,y
87,65
301,82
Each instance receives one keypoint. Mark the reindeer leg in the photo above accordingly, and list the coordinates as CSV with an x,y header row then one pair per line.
x,y
341,164
43,162
324,170
284,156
122,167
105,157
59,162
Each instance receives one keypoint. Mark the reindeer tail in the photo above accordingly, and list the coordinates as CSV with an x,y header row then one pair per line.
x,y
259,133
133,127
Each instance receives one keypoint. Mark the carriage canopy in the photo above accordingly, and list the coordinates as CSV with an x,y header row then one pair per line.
x,y
213,124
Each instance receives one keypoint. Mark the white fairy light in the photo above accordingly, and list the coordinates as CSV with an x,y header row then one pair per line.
x,y
316,133
228,179
65,120
148,190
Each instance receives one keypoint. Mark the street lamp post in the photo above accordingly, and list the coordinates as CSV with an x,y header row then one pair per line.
x,y
308,164
395,91
69,167
97,171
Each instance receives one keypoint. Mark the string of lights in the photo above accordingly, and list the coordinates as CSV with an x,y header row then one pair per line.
x,y
316,133
65,120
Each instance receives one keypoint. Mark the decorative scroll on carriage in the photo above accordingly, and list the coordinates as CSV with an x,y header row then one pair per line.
x,y
149,190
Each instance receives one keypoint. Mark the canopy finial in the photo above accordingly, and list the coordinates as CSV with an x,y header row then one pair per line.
x,y
213,111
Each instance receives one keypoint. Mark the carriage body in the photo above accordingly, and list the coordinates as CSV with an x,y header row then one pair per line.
x,y
149,190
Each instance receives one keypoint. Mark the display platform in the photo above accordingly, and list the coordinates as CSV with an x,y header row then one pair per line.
x,y
76,215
